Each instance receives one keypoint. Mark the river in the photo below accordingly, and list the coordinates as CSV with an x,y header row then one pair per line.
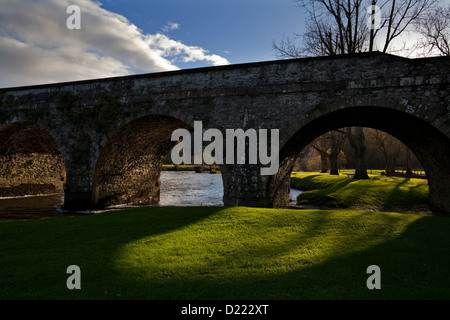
x,y
181,188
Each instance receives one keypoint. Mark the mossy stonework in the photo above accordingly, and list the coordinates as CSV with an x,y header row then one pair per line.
x,y
30,162
112,134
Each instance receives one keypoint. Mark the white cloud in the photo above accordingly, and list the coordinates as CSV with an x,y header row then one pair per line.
x,y
171,48
37,47
170,26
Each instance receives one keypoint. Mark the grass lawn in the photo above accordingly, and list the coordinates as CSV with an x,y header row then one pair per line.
x,y
378,193
227,253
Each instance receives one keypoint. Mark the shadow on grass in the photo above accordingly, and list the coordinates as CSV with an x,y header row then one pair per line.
x,y
411,268
311,182
305,183
397,195
268,255
415,198
34,254
323,197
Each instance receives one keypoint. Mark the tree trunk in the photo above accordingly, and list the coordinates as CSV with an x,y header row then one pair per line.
x,y
323,158
324,162
333,156
334,164
359,147
408,161
389,169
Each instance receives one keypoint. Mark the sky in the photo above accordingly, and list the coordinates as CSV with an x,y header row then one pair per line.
x,y
122,37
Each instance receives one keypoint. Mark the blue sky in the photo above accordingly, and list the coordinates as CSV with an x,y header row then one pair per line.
x,y
238,30
122,37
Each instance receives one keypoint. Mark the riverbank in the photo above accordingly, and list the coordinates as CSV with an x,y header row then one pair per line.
x,y
28,189
379,193
196,168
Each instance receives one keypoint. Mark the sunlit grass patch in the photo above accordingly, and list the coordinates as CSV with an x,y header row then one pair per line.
x,y
226,253
378,193
242,248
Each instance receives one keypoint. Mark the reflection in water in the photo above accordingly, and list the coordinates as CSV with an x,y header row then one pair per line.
x,y
182,188
30,207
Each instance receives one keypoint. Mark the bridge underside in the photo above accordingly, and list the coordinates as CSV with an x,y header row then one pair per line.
x,y
128,169
30,162
430,146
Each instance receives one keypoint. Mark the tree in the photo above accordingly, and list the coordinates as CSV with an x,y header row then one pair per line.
x,y
435,30
407,153
337,139
402,14
329,147
342,26
357,141
390,147
308,160
332,27
351,26
323,156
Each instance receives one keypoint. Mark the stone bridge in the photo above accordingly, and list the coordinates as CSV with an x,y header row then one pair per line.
x,y
113,134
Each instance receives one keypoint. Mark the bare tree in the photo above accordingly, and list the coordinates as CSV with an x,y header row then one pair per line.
x,y
357,141
391,149
323,155
333,27
401,15
435,30
340,27
329,147
407,153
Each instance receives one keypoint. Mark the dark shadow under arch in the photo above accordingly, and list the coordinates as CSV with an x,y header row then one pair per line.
x,y
431,147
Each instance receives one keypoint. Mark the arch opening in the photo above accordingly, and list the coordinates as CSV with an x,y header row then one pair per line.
x,y
30,161
430,146
128,169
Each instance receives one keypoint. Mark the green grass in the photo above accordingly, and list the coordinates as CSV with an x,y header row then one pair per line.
x,y
227,253
378,193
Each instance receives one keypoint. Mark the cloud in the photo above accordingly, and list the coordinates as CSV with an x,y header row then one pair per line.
x,y
167,47
37,47
170,26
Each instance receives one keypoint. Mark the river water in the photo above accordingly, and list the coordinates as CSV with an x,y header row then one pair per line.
x,y
181,188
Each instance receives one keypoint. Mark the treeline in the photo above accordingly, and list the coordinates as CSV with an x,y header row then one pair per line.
x,y
332,152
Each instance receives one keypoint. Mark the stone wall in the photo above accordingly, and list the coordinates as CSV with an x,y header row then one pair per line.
x,y
30,162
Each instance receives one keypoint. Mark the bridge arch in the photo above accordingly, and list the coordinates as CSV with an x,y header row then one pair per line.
x,y
31,161
128,168
429,144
